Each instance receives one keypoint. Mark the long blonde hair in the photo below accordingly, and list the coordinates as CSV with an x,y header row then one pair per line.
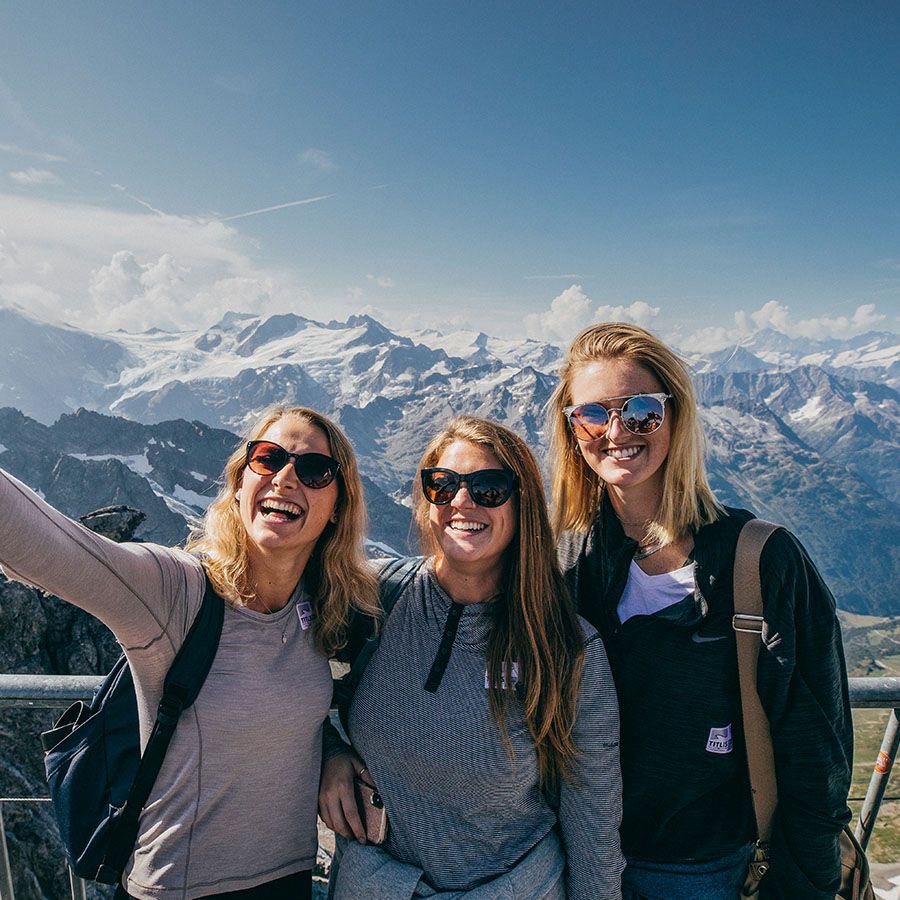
x,y
336,576
687,501
535,624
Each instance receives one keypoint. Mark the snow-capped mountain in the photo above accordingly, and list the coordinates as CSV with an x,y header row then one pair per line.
x,y
169,471
806,432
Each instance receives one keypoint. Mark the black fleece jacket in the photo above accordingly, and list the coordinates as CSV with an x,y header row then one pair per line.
x,y
684,770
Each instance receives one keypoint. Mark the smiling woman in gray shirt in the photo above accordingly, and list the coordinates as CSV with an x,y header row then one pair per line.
x,y
233,811
487,717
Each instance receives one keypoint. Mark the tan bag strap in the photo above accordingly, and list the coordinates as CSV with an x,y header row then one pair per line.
x,y
747,623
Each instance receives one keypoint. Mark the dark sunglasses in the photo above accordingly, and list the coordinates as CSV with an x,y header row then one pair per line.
x,y
641,414
487,487
315,470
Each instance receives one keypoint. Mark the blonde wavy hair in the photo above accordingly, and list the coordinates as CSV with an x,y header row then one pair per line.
x,y
336,576
535,623
687,501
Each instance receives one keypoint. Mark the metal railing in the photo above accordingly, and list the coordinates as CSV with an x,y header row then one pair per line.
x,y
58,691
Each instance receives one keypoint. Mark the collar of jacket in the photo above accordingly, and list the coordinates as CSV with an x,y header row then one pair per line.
x,y
608,552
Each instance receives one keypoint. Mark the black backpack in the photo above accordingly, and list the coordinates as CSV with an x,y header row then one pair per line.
x,y
98,780
393,579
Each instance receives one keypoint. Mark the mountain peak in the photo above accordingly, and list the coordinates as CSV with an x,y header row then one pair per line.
x,y
279,326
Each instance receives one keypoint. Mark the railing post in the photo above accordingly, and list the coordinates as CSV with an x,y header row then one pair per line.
x,y
879,782
6,885
79,891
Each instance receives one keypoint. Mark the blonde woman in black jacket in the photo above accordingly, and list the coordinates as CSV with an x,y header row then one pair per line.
x,y
649,555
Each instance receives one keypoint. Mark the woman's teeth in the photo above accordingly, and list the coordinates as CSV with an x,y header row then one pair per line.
x,y
281,509
468,526
623,452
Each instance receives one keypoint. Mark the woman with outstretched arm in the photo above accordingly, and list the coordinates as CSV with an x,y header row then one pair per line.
x,y
233,811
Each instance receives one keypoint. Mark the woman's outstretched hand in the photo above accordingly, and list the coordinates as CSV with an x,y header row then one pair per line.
x,y
337,798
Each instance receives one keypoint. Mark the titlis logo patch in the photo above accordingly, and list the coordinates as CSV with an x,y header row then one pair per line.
x,y
305,613
720,740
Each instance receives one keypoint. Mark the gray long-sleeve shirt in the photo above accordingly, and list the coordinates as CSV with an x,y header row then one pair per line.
x,y
234,805
461,807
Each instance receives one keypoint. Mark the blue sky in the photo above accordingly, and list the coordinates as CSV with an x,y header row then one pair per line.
x,y
516,167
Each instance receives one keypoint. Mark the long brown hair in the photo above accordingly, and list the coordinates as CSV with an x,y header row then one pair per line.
x,y
687,501
535,623
336,576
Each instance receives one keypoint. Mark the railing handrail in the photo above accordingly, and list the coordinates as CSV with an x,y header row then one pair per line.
x,y
49,691
61,690
46,690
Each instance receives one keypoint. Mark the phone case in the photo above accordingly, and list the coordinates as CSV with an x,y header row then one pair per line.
x,y
371,810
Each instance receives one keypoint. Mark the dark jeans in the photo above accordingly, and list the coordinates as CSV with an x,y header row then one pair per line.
x,y
715,879
292,887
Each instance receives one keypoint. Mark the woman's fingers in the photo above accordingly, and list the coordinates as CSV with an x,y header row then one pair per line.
x,y
337,798
350,813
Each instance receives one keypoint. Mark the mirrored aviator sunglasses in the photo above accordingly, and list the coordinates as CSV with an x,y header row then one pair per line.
x,y
641,414
314,470
487,487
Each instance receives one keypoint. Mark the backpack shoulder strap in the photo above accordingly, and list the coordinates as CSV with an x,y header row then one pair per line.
x,y
747,623
183,682
393,580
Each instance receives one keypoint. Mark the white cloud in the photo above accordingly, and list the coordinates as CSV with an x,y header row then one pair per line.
x,y
778,316
127,293
569,312
34,176
707,340
15,150
383,281
638,313
373,312
100,268
416,321
317,159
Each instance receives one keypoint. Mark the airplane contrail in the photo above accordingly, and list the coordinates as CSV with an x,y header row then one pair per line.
x,y
256,212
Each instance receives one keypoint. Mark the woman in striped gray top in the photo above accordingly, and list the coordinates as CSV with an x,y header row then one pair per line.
x,y
487,717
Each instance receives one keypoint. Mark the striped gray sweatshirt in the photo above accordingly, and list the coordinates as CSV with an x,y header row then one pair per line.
x,y
461,807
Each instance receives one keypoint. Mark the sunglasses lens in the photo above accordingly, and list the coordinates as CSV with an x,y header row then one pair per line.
x,y
642,414
491,488
315,470
439,486
265,458
589,421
